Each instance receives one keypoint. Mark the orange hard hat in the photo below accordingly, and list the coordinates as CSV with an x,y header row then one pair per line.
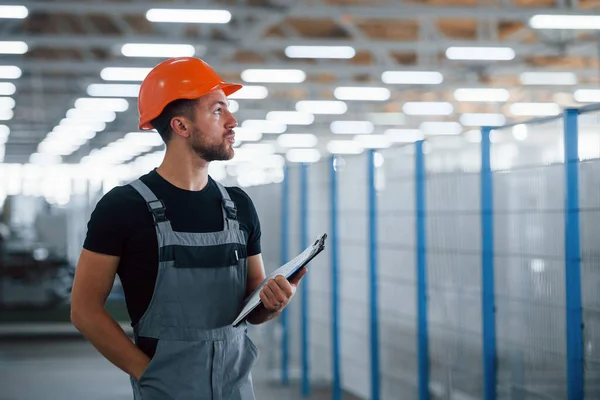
x,y
174,79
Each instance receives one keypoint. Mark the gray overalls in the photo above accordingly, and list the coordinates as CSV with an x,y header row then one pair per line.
x,y
200,287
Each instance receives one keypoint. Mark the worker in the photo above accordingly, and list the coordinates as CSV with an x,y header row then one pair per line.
x,y
186,249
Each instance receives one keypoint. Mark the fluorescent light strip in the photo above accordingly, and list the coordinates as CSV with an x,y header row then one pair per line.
x,y
188,16
344,147
303,155
480,53
322,107
124,74
481,94
110,104
351,127
7,89
297,140
6,115
273,75
157,50
428,108
251,93
247,135
548,78
91,115
535,109
404,135
233,106
264,126
578,22
10,72
7,103
13,12
412,77
8,47
520,131
335,52
4,132
440,128
113,90
373,141
362,93
291,117
482,119
587,96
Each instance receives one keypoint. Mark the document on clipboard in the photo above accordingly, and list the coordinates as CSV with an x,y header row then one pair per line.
x,y
287,270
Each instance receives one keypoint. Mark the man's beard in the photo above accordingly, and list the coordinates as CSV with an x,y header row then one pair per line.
x,y
220,151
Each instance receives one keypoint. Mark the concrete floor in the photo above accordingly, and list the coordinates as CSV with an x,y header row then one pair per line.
x,y
69,368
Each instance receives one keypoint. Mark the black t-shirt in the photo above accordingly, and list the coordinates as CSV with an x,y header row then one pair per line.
x,y
121,225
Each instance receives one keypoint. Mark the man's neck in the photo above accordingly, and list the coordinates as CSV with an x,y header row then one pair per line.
x,y
185,171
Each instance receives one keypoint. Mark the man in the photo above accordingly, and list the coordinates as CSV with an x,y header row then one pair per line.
x,y
187,251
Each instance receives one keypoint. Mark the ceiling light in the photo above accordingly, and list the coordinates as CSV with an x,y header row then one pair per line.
x,y
303,155
124,74
91,115
147,138
7,89
579,22
96,126
7,103
322,106
535,109
482,119
4,132
7,47
481,94
338,52
111,104
264,126
6,115
247,135
404,135
233,106
188,16
13,12
157,50
412,77
344,147
251,93
273,75
352,127
548,78
480,53
362,93
10,72
587,95
291,117
427,108
112,90
373,141
297,140
440,128
520,131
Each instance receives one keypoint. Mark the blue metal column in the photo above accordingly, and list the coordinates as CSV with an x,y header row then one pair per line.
x,y
422,328
573,258
285,216
337,387
373,277
487,265
304,286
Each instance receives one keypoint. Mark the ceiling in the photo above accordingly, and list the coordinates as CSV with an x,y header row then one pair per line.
x,y
70,43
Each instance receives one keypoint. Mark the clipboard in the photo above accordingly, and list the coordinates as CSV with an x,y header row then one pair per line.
x,y
287,270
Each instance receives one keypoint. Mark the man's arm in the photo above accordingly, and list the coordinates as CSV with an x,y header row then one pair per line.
x,y
94,278
276,294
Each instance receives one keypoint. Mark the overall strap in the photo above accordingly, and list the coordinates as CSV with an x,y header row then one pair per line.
x,y
229,209
155,206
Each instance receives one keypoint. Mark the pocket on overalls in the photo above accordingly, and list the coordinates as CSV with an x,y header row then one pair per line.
x,y
241,356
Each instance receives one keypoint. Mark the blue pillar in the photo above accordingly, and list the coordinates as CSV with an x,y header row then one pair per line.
x,y
573,258
487,272
285,216
422,328
337,386
373,277
304,287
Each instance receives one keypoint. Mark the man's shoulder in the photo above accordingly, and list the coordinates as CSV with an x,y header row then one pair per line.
x,y
122,196
238,195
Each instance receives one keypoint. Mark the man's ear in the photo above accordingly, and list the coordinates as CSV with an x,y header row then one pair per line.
x,y
179,126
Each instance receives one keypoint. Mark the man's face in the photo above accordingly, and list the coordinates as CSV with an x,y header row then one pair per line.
x,y
212,134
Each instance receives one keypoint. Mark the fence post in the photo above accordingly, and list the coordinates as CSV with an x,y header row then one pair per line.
x,y
422,328
573,258
285,216
374,328
487,269
305,282
337,389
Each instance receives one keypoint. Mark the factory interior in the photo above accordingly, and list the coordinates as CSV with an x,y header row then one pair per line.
x,y
446,152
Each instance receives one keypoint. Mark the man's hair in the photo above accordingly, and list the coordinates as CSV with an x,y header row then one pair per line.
x,y
181,107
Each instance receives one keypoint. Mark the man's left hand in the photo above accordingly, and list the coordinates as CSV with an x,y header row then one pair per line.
x,y
278,292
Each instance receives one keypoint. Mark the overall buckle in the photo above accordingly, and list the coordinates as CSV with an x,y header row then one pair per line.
x,y
230,209
157,208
